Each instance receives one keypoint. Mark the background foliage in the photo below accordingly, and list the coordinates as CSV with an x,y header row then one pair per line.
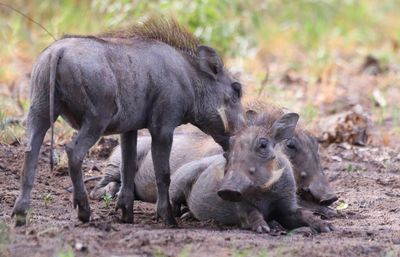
x,y
260,38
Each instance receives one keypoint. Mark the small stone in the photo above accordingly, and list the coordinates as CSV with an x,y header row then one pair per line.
x,y
336,158
80,247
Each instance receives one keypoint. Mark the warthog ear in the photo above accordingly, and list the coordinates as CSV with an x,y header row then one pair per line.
x,y
209,60
284,127
251,116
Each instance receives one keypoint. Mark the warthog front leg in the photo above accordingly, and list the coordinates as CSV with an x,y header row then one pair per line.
x,y
37,128
301,217
257,222
76,151
325,211
161,149
128,171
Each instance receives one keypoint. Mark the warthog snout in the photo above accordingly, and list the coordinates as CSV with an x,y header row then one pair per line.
x,y
321,192
328,200
230,194
233,186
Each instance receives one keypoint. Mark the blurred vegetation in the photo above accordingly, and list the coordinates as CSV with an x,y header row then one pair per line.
x,y
316,36
234,27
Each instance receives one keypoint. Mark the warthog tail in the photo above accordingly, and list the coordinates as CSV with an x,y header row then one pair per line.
x,y
54,60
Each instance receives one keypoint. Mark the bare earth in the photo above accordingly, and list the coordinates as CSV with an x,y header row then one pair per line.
x,y
367,179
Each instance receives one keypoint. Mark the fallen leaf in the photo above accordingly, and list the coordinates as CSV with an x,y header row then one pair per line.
x,y
342,205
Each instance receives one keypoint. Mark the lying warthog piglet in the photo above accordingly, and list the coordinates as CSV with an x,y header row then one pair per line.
x,y
154,75
185,148
302,150
255,185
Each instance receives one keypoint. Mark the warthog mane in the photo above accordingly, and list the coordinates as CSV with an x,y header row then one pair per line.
x,y
162,29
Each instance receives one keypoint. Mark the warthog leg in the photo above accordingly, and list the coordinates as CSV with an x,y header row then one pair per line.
x,y
128,171
302,217
76,151
160,150
37,128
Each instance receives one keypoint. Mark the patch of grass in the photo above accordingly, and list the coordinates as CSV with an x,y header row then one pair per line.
x,y
159,253
350,168
12,134
11,131
396,116
242,253
185,251
4,236
66,253
263,253
107,198
47,198
379,115
309,112
249,252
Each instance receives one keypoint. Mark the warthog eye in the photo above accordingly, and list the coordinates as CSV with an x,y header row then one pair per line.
x,y
262,143
291,144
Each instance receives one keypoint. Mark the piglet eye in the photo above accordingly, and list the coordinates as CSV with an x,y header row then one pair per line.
x,y
291,144
263,143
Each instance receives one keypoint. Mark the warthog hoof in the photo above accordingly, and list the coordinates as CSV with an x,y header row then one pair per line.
x,y
166,214
83,208
20,211
111,189
20,220
261,227
169,221
326,212
125,203
187,216
321,227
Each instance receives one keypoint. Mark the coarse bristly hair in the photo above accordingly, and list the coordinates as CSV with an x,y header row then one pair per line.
x,y
265,113
166,30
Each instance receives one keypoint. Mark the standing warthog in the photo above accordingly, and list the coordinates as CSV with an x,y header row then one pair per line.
x,y
301,149
155,75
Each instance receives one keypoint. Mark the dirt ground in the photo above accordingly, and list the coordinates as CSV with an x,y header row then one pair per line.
x,y
367,179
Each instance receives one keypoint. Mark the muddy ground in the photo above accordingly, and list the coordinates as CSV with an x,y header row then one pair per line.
x,y
366,178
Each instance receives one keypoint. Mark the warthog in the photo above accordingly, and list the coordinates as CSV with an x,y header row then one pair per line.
x,y
313,187
255,185
155,75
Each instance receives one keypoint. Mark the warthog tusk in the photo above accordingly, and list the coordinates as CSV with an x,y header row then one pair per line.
x,y
276,175
222,115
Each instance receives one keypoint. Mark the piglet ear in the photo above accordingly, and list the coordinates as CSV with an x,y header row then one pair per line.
x,y
209,60
251,116
284,127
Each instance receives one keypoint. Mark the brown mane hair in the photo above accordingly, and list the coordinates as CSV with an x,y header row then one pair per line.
x,y
164,30
267,114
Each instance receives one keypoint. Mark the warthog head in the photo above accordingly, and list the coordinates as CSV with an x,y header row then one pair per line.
x,y
312,184
218,108
252,163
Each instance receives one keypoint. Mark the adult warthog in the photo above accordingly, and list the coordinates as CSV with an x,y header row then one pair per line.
x,y
154,75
